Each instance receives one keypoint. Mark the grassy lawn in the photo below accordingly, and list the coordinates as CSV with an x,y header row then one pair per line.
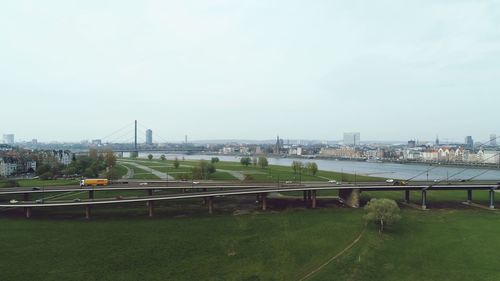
x,y
120,170
268,246
433,197
140,173
272,173
436,245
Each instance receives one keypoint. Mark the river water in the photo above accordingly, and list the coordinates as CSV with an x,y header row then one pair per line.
x,y
384,170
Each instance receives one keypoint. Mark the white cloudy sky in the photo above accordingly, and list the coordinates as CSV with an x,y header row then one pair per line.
x,y
212,69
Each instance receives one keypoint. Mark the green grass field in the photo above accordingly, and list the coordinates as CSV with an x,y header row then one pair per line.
x,y
272,173
248,247
433,245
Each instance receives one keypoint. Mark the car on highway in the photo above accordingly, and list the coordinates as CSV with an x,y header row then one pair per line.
x,y
77,200
389,180
143,183
39,201
13,201
288,181
399,183
36,188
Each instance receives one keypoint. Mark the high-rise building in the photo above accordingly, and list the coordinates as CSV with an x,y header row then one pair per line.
x,y
149,136
8,139
493,140
469,142
351,139
412,144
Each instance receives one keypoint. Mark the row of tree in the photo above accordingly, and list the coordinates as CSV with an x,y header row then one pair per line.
x,y
262,161
309,167
93,165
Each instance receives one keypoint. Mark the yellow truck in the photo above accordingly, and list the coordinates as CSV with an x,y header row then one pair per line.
x,y
94,182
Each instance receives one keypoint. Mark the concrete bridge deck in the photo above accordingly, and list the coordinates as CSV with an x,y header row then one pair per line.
x,y
348,193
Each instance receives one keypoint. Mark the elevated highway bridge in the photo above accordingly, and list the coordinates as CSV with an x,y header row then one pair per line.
x,y
348,193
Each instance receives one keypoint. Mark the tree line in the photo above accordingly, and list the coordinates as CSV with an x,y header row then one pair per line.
x,y
94,165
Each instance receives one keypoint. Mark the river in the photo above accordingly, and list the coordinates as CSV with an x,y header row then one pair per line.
x,y
384,170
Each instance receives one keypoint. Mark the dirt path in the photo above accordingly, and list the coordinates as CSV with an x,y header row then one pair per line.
x,y
157,173
334,257
235,174
130,173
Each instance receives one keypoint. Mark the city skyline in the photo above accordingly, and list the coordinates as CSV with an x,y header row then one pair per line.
x,y
248,70
148,137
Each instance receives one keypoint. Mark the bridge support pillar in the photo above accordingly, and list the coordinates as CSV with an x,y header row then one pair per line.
x,y
150,192
27,212
314,199
264,201
87,211
407,196
469,196
350,197
492,199
151,208
210,205
309,195
26,197
424,199
305,195
91,194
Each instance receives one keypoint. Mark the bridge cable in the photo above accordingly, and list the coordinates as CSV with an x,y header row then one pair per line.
x,y
115,132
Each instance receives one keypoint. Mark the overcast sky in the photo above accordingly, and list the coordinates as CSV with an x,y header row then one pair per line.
x,y
391,70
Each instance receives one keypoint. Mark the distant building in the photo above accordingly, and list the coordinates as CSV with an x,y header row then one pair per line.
x,y
437,141
343,152
295,151
149,137
493,140
13,165
278,145
412,144
97,142
469,142
34,141
258,150
61,156
8,139
5,147
7,167
351,139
